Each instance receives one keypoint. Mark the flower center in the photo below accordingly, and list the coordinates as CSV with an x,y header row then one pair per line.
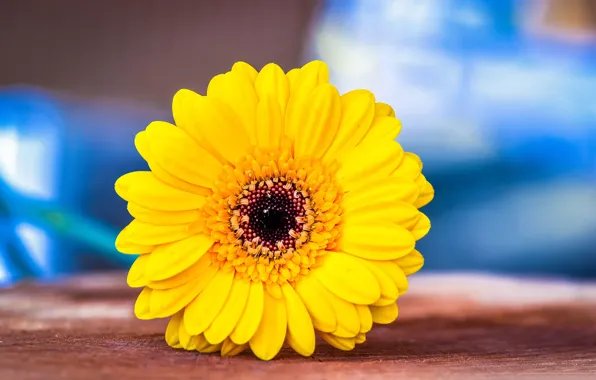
x,y
271,217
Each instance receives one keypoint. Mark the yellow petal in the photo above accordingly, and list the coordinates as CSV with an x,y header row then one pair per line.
x,y
426,195
210,348
312,294
408,168
141,309
251,316
124,245
317,122
370,160
238,92
142,145
162,217
410,263
246,70
269,123
365,318
272,82
174,182
144,189
383,109
229,348
189,274
274,289
348,322
172,337
310,76
169,301
292,77
180,155
301,333
344,344
169,179
384,314
271,334
384,128
421,228
123,184
202,343
357,111
230,314
170,259
382,190
402,213
187,341
347,277
360,338
215,126
395,274
192,343
199,314
416,158
141,233
136,275
186,117
384,301
302,84
389,290
376,241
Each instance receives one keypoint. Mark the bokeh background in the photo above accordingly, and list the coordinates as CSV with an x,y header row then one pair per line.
x,y
498,97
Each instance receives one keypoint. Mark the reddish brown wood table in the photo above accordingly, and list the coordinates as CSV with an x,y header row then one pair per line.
x,y
450,326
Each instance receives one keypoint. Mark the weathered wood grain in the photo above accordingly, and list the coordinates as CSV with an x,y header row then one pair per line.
x,y
450,326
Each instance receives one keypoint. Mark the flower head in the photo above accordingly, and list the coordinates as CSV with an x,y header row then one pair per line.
x,y
273,210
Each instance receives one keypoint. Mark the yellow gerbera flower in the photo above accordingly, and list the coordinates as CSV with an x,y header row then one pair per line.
x,y
275,209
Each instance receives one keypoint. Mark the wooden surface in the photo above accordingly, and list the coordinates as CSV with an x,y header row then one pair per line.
x,y
450,326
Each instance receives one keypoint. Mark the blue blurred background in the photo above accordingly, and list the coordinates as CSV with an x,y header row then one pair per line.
x,y
496,96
